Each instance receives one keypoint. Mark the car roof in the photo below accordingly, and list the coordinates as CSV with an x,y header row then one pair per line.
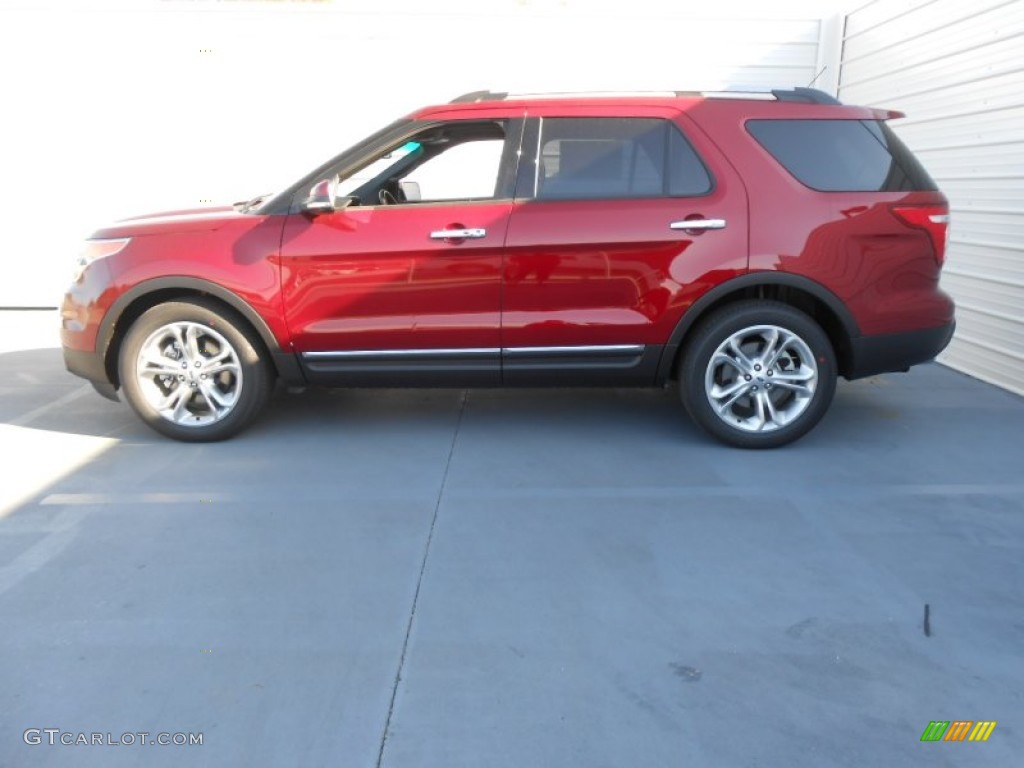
x,y
806,102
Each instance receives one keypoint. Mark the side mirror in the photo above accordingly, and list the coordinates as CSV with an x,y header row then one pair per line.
x,y
320,198
411,191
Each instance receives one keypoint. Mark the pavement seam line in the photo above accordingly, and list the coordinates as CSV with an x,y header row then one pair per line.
x,y
35,413
419,580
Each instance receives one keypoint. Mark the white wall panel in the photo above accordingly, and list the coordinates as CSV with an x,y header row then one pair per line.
x,y
957,70
930,68
999,298
871,15
915,36
983,162
130,106
988,92
997,227
1003,197
973,127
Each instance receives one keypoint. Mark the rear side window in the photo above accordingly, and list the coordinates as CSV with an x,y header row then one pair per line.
x,y
842,155
603,158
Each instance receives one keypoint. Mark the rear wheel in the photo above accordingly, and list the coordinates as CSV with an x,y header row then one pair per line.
x,y
758,374
192,370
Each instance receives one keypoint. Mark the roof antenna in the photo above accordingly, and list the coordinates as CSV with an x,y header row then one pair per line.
x,y
822,72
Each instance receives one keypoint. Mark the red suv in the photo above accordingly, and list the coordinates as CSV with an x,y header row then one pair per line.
x,y
747,248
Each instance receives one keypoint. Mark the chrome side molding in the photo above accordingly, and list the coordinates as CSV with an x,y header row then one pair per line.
x,y
377,354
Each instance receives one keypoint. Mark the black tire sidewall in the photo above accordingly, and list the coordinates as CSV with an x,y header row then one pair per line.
x,y
256,378
727,321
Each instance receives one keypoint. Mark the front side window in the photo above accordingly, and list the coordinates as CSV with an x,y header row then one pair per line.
x,y
466,171
381,164
608,158
454,161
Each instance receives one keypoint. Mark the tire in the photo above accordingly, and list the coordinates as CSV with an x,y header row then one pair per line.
x,y
758,374
193,370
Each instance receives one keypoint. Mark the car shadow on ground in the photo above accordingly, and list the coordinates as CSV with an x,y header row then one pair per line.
x,y
36,385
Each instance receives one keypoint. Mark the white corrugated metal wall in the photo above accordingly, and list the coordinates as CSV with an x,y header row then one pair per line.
x,y
957,70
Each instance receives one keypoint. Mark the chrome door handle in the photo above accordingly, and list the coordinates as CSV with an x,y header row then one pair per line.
x,y
698,224
457,234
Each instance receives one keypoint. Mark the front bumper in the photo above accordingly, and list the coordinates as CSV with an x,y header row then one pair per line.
x,y
89,365
896,351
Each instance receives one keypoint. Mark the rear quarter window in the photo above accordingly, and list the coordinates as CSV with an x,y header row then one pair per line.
x,y
842,155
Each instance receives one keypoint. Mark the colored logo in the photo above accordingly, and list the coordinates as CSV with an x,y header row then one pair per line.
x,y
958,730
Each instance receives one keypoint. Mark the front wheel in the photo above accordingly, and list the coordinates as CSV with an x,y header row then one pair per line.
x,y
192,371
758,374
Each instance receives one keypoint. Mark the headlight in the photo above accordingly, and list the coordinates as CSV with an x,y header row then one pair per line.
x,y
97,249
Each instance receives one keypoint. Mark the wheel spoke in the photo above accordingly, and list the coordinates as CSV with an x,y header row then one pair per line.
x,y
173,404
718,392
723,358
771,341
793,386
797,374
158,364
216,399
220,357
177,333
228,365
740,355
769,407
796,381
777,349
761,419
192,341
729,402
181,407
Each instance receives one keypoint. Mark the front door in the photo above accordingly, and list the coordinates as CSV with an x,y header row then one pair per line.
x,y
404,284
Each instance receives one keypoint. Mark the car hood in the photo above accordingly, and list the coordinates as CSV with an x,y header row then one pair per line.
x,y
171,222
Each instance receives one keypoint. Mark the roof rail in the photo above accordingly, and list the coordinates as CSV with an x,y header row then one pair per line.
x,y
474,96
803,95
806,95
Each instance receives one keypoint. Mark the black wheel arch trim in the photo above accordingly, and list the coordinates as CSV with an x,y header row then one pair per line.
x,y
751,280
284,361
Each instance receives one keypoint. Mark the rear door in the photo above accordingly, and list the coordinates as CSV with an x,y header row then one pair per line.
x,y
618,223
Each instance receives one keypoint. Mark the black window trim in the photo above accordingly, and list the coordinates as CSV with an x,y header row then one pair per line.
x,y
527,179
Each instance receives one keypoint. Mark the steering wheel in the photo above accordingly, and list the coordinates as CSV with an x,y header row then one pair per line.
x,y
386,198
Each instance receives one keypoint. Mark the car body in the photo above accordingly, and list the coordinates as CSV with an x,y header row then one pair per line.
x,y
624,240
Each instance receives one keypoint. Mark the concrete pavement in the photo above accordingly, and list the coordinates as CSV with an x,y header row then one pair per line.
x,y
509,578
